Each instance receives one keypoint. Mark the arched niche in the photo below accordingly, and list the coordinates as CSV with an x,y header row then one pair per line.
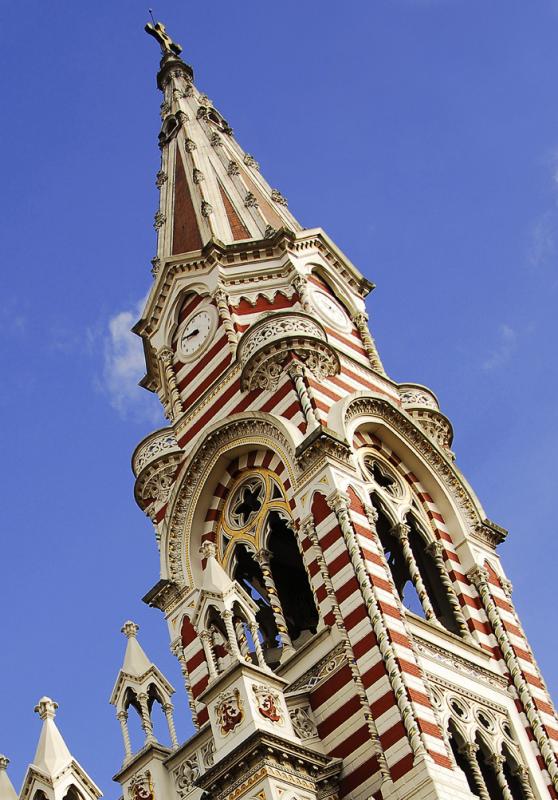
x,y
417,457
198,483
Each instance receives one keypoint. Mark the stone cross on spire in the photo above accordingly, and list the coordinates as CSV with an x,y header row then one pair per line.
x,y
159,33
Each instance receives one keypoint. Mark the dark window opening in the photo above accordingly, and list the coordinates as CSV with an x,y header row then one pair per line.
x,y
397,564
291,580
432,581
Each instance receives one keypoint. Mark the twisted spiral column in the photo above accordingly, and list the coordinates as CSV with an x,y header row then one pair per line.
x,y
469,752
175,403
497,763
479,577
308,529
167,708
361,323
523,777
177,649
226,318
436,551
340,505
122,718
263,557
146,723
296,373
401,533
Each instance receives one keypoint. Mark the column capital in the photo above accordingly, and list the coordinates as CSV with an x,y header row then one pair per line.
x,y
435,549
478,576
401,531
338,501
263,557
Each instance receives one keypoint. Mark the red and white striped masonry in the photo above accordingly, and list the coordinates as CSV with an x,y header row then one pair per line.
x,y
473,609
369,662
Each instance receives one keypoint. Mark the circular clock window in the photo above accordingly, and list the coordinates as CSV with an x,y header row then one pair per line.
x,y
196,332
330,310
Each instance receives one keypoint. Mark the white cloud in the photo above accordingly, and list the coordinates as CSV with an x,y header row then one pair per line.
x,y
504,349
542,239
124,366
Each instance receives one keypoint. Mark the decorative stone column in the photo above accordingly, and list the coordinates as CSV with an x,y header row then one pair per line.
x,y
479,577
231,634
296,373
401,533
308,529
263,559
361,324
122,718
523,776
146,723
436,551
167,708
226,318
175,403
497,763
254,631
469,752
340,505
177,649
205,637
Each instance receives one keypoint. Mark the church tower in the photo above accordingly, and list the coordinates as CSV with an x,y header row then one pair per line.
x,y
330,581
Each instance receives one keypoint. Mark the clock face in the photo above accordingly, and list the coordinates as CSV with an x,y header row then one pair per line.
x,y
196,333
330,309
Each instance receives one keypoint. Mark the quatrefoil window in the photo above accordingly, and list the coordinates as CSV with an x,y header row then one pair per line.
x,y
246,503
381,476
245,516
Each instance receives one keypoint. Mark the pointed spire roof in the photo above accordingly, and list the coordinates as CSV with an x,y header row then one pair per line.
x,y
215,579
137,671
7,791
135,660
210,187
52,754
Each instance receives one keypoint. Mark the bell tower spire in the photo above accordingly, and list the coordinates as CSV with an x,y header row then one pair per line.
x,y
210,188
329,579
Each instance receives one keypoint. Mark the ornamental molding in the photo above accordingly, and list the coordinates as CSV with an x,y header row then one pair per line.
x,y
186,775
264,347
412,434
257,431
159,443
413,395
459,663
323,670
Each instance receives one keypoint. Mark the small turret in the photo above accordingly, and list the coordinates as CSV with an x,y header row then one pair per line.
x,y
7,791
54,771
140,684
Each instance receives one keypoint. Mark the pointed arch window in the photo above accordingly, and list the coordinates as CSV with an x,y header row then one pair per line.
x,y
418,570
257,545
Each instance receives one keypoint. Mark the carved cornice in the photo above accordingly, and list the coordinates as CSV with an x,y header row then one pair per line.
x,y
489,533
264,754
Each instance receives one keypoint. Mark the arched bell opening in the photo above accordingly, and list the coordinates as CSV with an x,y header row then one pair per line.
x,y
134,721
431,576
291,579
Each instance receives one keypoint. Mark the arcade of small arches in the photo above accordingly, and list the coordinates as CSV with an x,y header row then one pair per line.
x,y
414,557
483,747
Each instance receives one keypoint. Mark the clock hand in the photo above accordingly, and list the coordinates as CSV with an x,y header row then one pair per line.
x,y
189,335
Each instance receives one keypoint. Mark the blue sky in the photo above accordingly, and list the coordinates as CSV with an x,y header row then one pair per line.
x,y
421,134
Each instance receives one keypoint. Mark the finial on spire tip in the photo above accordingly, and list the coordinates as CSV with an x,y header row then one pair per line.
x,y
46,708
129,629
